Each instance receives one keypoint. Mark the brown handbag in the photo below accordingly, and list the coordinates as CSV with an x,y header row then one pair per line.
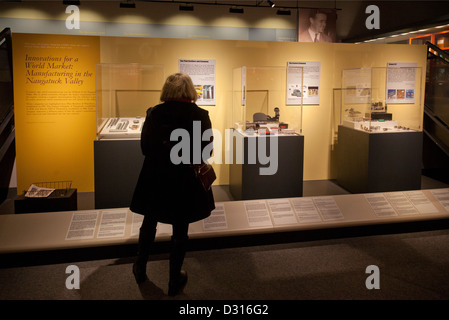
x,y
205,174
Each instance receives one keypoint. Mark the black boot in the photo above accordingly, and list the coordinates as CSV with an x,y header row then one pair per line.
x,y
177,284
178,277
143,253
139,271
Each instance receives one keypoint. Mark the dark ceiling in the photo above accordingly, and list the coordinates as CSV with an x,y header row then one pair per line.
x,y
351,16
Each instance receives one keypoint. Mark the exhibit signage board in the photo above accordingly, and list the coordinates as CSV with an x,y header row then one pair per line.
x,y
54,93
304,76
401,82
202,73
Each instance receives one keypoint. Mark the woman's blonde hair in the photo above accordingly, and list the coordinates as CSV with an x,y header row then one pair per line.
x,y
178,86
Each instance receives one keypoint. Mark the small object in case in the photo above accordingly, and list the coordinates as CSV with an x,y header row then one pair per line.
x,y
381,116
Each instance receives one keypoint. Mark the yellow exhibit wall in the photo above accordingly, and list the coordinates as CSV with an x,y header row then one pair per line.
x,y
54,101
68,153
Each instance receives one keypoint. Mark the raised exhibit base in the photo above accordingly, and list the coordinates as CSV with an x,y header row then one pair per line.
x,y
378,162
246,181
254,218
117,166
58,200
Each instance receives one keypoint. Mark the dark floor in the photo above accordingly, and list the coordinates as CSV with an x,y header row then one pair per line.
x,y
86,200
413,265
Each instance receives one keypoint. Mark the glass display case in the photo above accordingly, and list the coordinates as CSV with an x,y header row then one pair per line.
x,y
124,92
380,99
266,115
267,100
378,145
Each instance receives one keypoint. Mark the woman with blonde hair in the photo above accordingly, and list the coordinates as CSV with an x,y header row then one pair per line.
x,y
168,192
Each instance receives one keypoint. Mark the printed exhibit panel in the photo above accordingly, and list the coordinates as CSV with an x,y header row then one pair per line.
x,y
54,92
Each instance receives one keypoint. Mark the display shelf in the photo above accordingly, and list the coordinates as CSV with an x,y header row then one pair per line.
x,y
58,200
18,233
122,128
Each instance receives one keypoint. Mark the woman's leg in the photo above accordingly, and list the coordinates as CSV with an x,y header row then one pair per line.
x,y
178,278
147,234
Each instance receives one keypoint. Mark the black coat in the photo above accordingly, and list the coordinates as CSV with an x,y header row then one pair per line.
x,y
170,192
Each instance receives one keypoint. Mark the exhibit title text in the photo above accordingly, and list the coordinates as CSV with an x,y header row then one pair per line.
x,y
54,70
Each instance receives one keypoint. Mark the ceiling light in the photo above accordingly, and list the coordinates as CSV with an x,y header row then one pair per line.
x,y
235,10
186,7
127,4
271,3
283,12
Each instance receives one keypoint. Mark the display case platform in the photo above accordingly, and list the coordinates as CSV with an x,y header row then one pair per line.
x,y
100,229
378,162
58,200
117,165
245,180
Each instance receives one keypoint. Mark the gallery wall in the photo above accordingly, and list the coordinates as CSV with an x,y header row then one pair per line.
x,y
63,150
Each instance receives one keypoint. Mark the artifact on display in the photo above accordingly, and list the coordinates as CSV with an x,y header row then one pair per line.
x,y
120,128
376,120
266,125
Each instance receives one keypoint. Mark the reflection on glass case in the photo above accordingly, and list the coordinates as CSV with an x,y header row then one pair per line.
x,y
380,100
266,101
124,92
